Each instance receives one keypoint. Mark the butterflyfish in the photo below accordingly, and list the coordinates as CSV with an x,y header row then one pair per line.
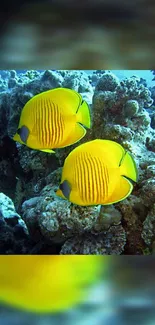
x,y
46,283
98,172
53,119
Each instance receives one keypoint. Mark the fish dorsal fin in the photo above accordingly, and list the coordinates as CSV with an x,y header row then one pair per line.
x,y
111,149
119,156
66,98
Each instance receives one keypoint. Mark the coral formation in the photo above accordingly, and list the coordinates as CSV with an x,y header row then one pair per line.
x,y
108,82
58,220
77,80
111,242
120,103
14,233
122,111
148,232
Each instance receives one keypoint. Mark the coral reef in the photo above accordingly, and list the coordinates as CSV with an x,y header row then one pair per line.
x,y
111,242
77,80
134,213
121,110
108,82
58,221
148,232
120,103
95,76
14,237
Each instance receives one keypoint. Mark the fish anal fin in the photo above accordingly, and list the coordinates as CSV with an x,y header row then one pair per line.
x,y
47,150
128,167
83,114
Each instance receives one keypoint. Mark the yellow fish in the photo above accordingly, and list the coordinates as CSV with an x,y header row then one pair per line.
x,y
98,172
53,119
47,283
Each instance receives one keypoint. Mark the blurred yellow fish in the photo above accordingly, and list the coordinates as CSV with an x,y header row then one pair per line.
x,y
47,283
53,119
98,172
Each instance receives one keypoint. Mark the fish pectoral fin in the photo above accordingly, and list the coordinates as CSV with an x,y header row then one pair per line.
x,y
47,150
122,190
77,135
83,114
128,167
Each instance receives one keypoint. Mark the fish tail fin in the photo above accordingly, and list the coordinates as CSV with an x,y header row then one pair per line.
x,y
128,167
83,115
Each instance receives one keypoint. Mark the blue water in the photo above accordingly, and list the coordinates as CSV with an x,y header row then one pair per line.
x,y
146,74
121,74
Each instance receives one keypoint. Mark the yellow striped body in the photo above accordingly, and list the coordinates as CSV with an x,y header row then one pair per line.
x,y
49,127
51,119
94,174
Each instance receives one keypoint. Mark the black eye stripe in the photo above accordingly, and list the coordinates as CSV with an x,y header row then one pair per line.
x,y
18,131
23,133
61,186
65,188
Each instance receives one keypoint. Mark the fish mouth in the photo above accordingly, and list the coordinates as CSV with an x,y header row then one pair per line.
x,y
60,194
16,137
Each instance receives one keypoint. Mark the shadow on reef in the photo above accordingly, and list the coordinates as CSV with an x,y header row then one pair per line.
x,y
18,184
9,166
14,235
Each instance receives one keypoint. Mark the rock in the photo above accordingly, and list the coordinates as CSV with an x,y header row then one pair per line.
x,y
111,242
14,235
